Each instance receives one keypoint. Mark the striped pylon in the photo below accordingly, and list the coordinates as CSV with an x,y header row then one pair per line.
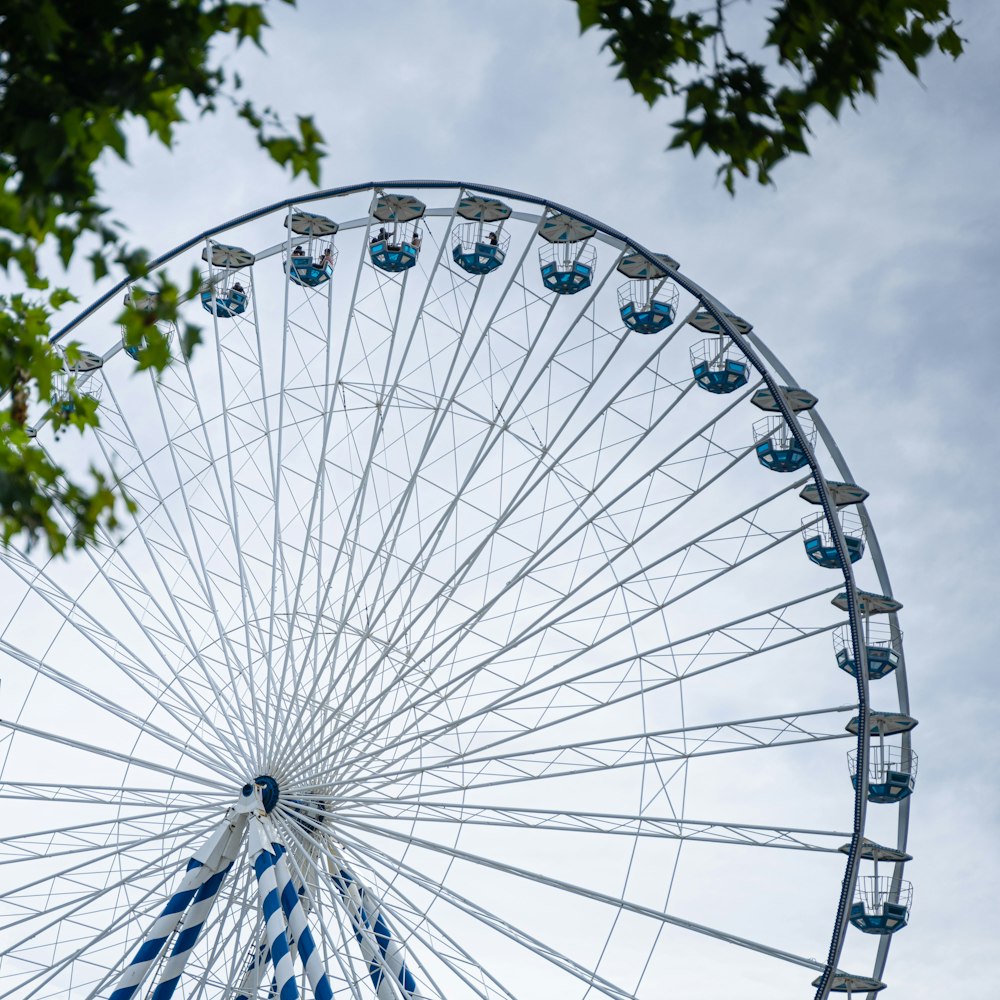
x,y
381,950
275,930
213,859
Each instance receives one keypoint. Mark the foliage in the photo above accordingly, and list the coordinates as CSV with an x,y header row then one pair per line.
x,y
73,78
828,51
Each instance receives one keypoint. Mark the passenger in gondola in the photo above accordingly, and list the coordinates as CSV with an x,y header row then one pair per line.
x,y
298,252
327,259
380,235
416,239
237,287
493,238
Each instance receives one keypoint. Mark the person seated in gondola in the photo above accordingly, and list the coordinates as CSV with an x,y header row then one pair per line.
x,y
380,236
237,287
415,242
327,259
493,238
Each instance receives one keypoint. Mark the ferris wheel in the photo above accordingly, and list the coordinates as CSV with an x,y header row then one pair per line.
x,y
493,620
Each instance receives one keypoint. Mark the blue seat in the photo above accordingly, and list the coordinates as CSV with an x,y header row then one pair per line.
x,y
226,306
652,318
567,281
481,259
393,257
787,459
882,660
308,272
895,786
826,555
719,380
892,918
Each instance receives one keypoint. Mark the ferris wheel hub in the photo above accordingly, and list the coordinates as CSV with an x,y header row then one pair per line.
x,y
269,791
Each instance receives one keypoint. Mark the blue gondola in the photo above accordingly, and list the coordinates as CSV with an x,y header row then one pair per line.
x,y
481,259
310,272
882,660
394,256
891,917
719,367
881,904
227,305
567,260
651,317
777,448
567,278
892,771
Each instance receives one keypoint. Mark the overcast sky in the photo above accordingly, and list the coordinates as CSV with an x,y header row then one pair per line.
x,y
868,270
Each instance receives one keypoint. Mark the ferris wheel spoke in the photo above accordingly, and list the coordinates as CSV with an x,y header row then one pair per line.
x,y
163,551
106,752
586,893
504,927
629,750
490,441
656,607
251,591
107,795
20,846
598,758
533,818
112,647
726,634
524,572
270,695
84,865
294,332
210,519
422,918
528,484
381,423
69,908
400,505
141,724
386,395
317,878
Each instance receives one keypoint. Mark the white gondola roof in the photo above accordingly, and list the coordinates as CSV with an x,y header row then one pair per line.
x,y
398,208
843,493
565,229
227,256
479,209
311,224
844,982
635,265
884,723
707,323
871,851
797,399
86,362
139,298
871,604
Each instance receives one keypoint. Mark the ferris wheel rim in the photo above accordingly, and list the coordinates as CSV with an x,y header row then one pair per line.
x,y
749,343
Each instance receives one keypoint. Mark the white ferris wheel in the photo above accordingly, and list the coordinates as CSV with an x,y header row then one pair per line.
x,y
494,621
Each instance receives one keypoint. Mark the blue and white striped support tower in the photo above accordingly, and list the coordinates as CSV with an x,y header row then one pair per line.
x,y
381,950
187,938
204,871
263,856
298,927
